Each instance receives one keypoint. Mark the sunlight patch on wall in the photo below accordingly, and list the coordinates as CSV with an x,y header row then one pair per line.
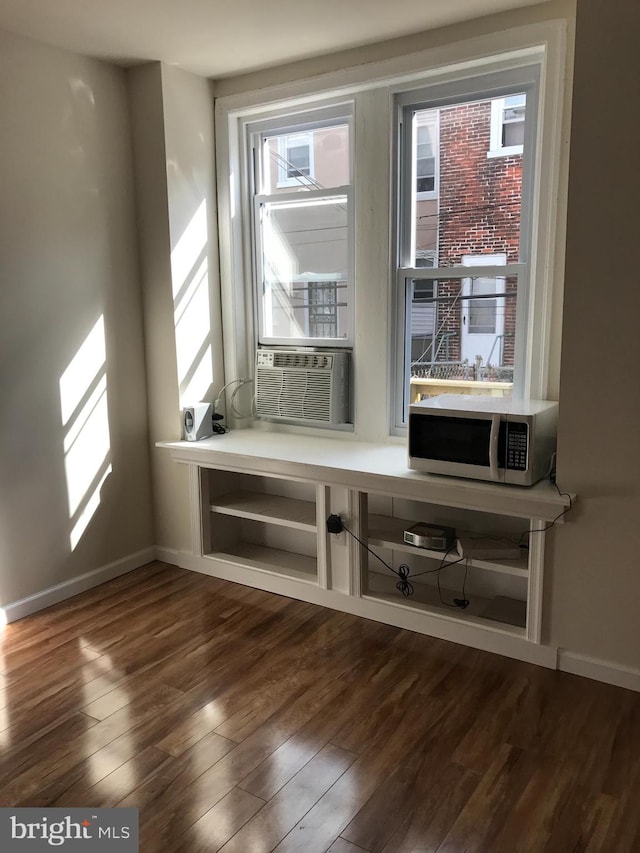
x,y
85,418
192,316
188,249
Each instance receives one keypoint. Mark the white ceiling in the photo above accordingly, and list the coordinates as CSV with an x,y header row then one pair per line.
x,y
218,38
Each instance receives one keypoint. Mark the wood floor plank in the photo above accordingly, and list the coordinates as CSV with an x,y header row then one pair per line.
x,y
485,812
237,719
342,846
432,808
178,806
413,788
27,770
334,811
263,832
556,813
220,823
89,782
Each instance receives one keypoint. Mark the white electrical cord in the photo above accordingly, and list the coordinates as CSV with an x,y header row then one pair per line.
x,y
240,383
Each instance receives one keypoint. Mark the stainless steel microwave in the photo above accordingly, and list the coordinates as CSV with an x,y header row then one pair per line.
x,y
484,438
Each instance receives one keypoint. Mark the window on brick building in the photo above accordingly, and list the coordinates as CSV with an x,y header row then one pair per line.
x,y
463,316
294,158
507,125
426,154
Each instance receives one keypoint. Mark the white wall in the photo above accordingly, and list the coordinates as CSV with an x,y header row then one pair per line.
x,y
595,572
68,264
172,116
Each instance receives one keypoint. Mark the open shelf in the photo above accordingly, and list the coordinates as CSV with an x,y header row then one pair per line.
x,y
260,523
275,509
518,566
388,532
500,612
272,560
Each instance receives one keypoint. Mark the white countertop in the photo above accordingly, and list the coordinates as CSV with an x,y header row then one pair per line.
x,y
366,466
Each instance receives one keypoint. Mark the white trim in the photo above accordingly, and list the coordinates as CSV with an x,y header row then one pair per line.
x,y
322,511
535,581
196,508
67,589
599,670
517,44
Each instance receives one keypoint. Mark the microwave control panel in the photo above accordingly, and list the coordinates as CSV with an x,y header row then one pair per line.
x,y
517,441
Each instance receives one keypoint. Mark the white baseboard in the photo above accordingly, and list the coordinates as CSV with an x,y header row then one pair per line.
x,y
67,589
172,556
599,670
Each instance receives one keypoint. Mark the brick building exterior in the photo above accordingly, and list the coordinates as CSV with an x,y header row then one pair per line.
x,y
478,214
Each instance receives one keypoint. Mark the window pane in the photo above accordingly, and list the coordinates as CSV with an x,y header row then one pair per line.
x,y
425,151
462,335
513,133
476,203
304,268
298,160
313,159
482,313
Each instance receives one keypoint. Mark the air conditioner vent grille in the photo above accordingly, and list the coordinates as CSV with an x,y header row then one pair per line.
x,y
301,386
295,394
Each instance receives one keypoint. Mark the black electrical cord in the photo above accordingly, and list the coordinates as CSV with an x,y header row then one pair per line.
x,y
460,603
404,585
403,571
550,524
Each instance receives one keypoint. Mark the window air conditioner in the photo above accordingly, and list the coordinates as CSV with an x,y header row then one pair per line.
x,y
302,386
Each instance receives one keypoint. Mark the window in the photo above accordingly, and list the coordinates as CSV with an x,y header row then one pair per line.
x,y
302,234
426,141
448,284
294,158
507,125
462,331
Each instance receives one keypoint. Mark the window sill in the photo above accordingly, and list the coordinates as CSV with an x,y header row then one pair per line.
x,y
510,151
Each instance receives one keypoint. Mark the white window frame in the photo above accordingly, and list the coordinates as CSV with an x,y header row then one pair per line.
x,y
472,88
372,87
257,131
496,148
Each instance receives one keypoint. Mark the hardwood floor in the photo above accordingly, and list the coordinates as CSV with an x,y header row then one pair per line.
x,y
241,721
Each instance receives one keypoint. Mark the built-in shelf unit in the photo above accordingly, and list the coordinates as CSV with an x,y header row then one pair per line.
x,y
259,503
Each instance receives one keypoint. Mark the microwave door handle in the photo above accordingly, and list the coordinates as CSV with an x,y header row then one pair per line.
x,y
493,447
